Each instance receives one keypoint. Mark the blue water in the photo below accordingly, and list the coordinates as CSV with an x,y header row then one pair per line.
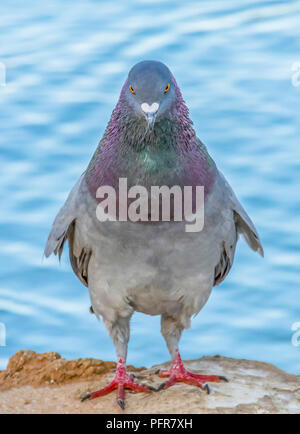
x,y
65,64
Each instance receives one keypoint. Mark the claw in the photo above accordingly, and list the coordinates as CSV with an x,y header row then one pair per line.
x,y
160,387
206,387
178,373
154,389
223,378
121,403
121,382
85,397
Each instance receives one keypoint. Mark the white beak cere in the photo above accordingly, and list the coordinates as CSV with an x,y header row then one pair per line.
x,y
149,109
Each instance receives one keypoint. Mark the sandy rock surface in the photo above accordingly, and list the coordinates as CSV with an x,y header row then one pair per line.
x,y
47,383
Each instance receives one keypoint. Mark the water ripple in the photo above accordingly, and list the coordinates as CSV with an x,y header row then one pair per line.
x,y
64,69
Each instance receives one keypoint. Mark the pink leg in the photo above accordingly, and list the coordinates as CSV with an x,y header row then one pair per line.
x,y
121,382
178,373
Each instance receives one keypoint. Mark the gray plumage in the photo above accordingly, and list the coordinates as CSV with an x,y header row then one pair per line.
x,y
157,269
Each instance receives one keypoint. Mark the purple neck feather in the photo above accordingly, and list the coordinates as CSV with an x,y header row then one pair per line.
x,y
125,138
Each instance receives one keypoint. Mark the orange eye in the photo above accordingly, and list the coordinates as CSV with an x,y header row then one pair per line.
x,y
167,88
131,89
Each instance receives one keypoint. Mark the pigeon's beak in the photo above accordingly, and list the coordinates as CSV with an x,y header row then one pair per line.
x,y
150,112
150,119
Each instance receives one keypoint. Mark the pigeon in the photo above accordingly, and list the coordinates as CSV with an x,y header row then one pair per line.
x,y
154,267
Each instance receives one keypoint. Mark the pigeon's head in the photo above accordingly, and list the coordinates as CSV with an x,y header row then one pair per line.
x,y
150,90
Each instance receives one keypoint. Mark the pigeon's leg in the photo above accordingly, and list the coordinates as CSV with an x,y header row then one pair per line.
x,y
171,331
119,332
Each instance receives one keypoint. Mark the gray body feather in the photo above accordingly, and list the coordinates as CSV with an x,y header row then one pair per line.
x,y
158,269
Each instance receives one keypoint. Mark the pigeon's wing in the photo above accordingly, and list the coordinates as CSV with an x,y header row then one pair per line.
x,y
61,224
225,263
64,229
243,223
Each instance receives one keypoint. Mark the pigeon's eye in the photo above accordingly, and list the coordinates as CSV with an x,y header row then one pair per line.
x,y
167,88
131,89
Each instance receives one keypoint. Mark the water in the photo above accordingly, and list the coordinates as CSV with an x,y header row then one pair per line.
x,y
65,65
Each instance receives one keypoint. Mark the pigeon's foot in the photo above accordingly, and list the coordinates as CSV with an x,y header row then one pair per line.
x,y
178,373
121,382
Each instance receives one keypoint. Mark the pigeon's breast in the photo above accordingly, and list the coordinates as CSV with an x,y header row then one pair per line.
x,y
154,268
151,170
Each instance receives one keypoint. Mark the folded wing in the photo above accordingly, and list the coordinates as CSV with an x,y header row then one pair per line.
x,y
63,229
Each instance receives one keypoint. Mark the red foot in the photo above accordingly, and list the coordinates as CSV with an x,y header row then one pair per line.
x,y
178,373
121,382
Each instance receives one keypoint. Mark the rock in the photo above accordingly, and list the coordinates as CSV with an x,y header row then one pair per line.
x,y
28,367
47,383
